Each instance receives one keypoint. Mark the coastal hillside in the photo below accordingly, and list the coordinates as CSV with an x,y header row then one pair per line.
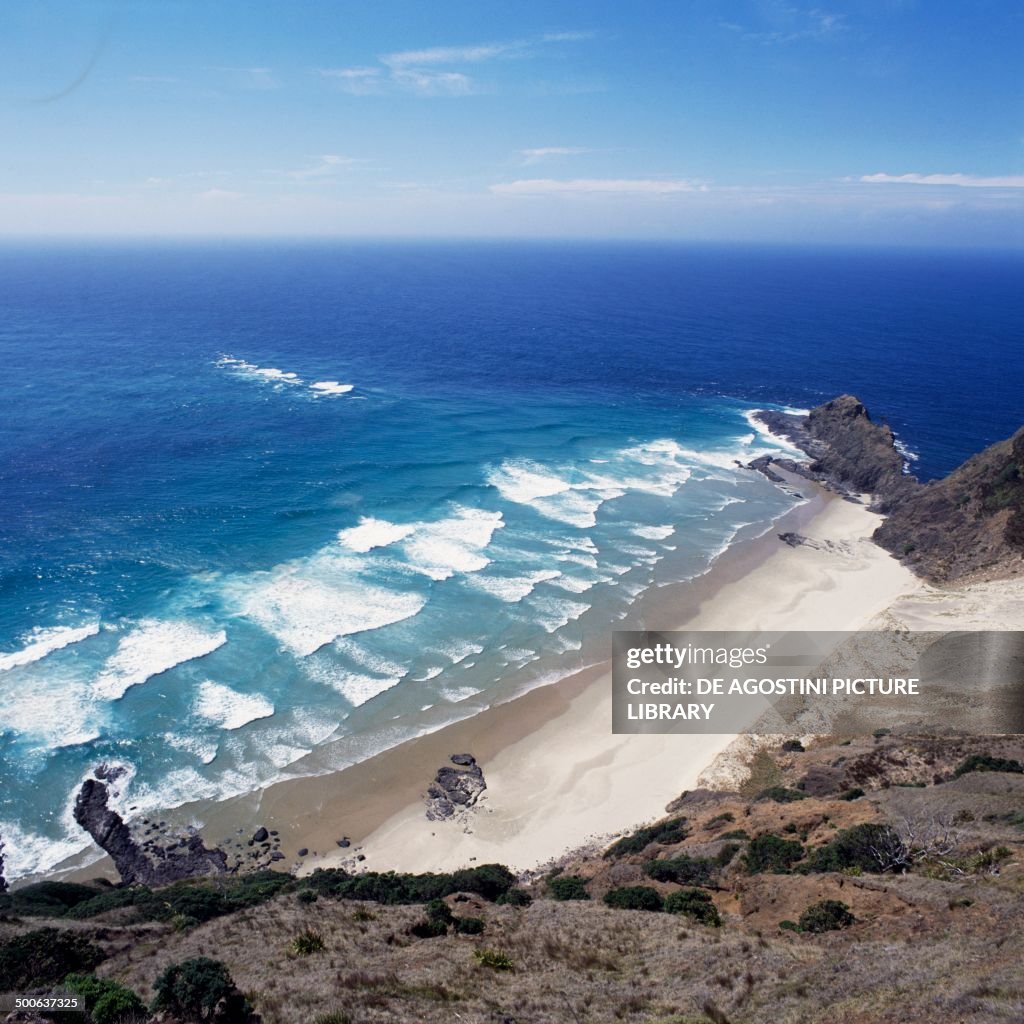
x,y
967,525
882,877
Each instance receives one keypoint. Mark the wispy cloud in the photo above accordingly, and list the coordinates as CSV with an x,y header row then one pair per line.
x,y
534,156
326,166
357,81
217,195
793,24
250,78
436,70
589,186
960,180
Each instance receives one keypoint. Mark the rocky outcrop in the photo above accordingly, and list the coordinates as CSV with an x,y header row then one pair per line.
x,y
970,523
455,789
3,881
188,858
849,451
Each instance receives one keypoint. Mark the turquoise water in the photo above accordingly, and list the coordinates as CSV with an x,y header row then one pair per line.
x,y
258,499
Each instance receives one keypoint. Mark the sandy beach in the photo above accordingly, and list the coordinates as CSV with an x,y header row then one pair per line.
x,y
557,777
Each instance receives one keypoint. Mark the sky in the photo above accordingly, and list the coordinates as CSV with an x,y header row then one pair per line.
x,y
895,122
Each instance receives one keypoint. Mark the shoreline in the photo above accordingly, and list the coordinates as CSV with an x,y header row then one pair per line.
x,y
544,799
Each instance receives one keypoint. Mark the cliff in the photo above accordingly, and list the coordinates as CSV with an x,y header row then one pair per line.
x,y
970,523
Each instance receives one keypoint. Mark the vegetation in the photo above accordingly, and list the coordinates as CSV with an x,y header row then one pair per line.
x,y
869,847
568,887
308,942
634,897
694,904
686,870
987,763
781,795
852,794
106,1001
492,958
826,916
469,925
666,832
488,880
769,853
198,989
515,898
45,957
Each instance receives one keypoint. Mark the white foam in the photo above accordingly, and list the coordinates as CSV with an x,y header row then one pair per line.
x,y
551,613
330,387
356,687
654,532
228,708
373,533
460,650
202,748
154,646
26,853
775,440
431,673
908,454
56,711
513,588
306,606
43,641
455,544
461,693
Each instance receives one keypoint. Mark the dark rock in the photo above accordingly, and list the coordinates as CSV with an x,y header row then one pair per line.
x,y
361,856
345,843
794,540
763,465
277,855
303,852
3,881
110,772
466,760
454,788
260,835
111,834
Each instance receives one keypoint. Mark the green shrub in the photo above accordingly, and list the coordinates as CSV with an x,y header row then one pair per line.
x,y
780,795
737,833
987,763
429,929
769,853
568,887
193,989
469,925
487,880
826,916
494,959
666,832
306,896
438,910
334,1017
859,848
694,904
49,899
683,870
634,897
308,942
851,794
44,957
515,898
789,926
725,818
106,1001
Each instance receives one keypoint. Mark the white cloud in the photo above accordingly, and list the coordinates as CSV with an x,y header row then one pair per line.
x,y
433,83
452,54
326,166
961,180
357,81
533,156
627,186
566,37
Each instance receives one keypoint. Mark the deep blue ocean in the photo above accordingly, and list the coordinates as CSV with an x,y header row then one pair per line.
x,y
254,498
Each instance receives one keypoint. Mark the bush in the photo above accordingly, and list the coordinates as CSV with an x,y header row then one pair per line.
x,y
769,853
487,880
469,925
49,899
694,904
515,898
308,942
493,959
781,795
45,957
792,747
987,763
306,896
826,916
634,897
197,989
568,887
683,870
429,929
868,847
789,926
106,1001
852,794
737,833
672,831
725,818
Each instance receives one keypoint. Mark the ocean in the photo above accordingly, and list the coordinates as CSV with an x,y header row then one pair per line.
x,y
257,497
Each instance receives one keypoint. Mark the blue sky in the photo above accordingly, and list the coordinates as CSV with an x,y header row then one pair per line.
x,y
879,121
